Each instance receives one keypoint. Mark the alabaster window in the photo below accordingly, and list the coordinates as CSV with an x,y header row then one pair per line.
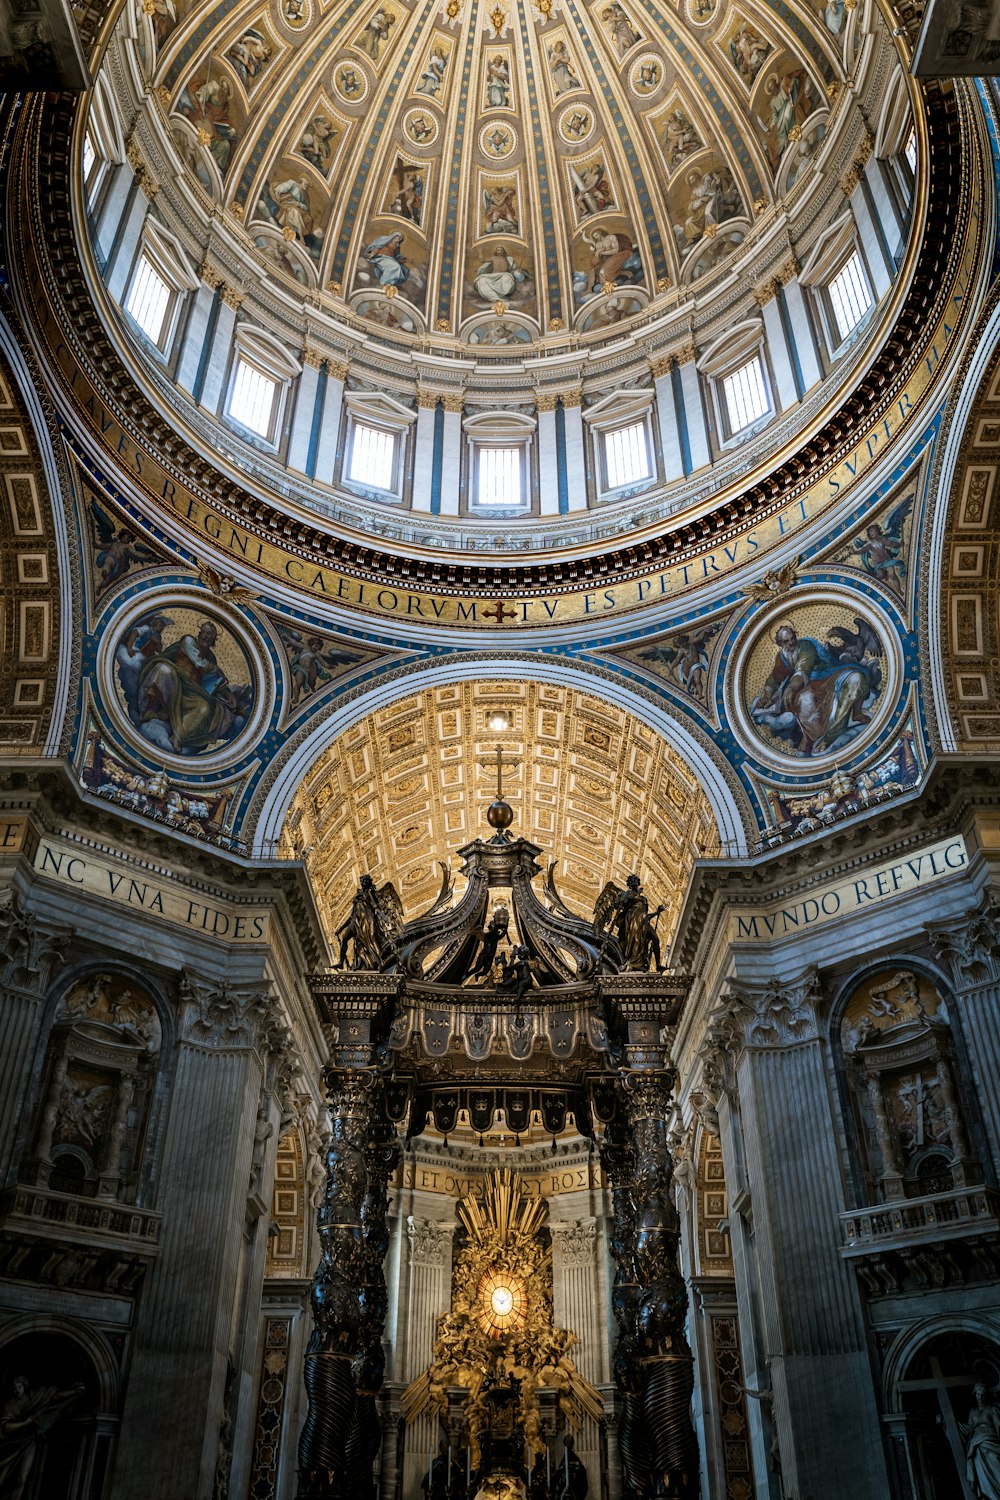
x,y
160,279
375,443
260,377
841,285
735,368
626,455
746,394
252,398
499,453
850,295
373,456
622,441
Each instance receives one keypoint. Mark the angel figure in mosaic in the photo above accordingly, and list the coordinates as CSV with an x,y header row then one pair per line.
x,y
686,657
117,547
880,547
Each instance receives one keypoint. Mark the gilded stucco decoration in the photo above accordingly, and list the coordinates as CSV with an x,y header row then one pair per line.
x,y
411,784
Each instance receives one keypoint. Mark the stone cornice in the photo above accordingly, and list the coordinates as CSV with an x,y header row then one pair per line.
x,y
955,788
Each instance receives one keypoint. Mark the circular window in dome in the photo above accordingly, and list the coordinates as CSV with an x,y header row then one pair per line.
x,y
503,1302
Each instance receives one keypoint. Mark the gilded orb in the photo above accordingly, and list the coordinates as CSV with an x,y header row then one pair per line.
x,y
500,814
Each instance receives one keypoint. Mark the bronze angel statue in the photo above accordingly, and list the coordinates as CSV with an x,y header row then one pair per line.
x,y
625,916
373,927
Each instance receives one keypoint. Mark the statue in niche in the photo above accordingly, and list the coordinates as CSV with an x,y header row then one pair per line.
x,y
981,1435
371,929
26,1419
625,915
492,935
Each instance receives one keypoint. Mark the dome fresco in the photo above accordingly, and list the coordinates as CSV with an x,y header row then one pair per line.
x,y
499,174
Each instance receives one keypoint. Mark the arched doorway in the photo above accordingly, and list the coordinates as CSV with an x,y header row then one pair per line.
x,y
945,1391
56,1428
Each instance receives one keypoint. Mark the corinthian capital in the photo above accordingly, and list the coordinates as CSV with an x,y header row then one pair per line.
x,y
221,1017
29,953
970,946
430,1240
773,1014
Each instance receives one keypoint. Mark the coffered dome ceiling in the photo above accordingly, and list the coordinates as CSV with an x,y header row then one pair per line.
x,y
497,174
599,792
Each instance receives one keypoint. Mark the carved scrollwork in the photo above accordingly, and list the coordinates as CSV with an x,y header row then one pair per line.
x,y
29,954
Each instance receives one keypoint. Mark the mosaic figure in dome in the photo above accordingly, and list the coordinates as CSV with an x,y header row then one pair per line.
x,y
620,28
880,547
834,13
791,99
372,37
500,211
430,80
499,334
317,142
116,546
611,310
177,693
294,13
577,125
385,255
498,81
749,51
207,103
279,254
350,82
685,657
313,662
680,138
500,277
818,693
592,192
562,68
163,19
287,204
713,197
250,55
378,310
406,193
614,258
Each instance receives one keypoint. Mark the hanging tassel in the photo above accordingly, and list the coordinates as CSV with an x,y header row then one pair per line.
x,y
553,1145
480,1139
446,1143
517,1140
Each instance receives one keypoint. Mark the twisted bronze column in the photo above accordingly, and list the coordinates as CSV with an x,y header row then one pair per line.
x,y
343,1363
653,1364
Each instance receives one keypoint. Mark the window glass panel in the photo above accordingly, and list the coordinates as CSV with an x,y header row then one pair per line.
x,y
89,156
252,398
148,300
850,296
499,476
746,394
910,151
373,455
626,454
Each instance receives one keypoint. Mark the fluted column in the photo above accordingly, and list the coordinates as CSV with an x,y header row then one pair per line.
x,y
810,1310
577,1304
428,1253
176,1412
969,949
29,956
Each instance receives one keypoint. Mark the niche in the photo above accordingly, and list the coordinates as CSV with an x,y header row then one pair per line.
x,y
904,1089
101,1066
